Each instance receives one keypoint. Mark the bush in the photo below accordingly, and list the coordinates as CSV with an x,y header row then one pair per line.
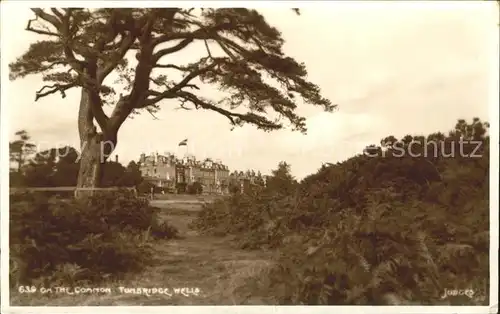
x,y
108,234
370,230
255,217
145,187
195,188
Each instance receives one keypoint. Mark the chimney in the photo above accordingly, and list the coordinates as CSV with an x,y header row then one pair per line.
x,y
116,158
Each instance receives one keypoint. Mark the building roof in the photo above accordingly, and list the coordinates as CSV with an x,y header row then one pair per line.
x,y
208,163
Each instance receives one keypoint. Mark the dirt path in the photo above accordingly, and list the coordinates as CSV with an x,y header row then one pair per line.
x,y
210,268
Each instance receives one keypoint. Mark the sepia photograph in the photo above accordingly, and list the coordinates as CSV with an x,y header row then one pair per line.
x,y
243,153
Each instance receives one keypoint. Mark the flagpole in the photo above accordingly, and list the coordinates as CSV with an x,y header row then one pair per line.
x,y
184,143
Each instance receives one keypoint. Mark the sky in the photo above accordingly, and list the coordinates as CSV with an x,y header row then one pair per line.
x,y
392,68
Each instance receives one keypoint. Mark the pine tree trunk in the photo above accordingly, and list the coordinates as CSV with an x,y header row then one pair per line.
x,y
90,173
95,148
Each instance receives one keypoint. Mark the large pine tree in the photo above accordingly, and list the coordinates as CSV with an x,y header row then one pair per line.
x,y
80,48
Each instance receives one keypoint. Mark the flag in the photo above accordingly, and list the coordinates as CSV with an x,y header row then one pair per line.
x,y
183,143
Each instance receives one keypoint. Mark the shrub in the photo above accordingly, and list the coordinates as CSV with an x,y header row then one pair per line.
x,y
104,235
370,230
254,216
145,187
195,188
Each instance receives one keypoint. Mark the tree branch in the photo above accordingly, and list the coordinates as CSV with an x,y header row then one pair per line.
x,y
193,75
47,17
183,105
120,113
53,89
157,82
57,13
208,49
64,30
108,34
53,64
172,66
171,92
94,43
203,32
38,31
173,36
99,115
163,52
93,87
124,45
226,50
146,37
86,74
233,117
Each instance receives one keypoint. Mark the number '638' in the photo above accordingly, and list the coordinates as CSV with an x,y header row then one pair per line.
x,y
27,289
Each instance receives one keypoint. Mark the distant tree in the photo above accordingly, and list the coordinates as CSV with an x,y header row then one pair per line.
x,y
437,145
53,167
283,171
21,148
435,137
281,179
389,141
60,166
476,130
132,175
407,139
372,150
259,179
67,167
41,169
113,174
234,186
234,183
80,48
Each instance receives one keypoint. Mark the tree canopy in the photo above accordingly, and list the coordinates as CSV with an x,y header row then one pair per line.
x,y
21,148
59,166
243,57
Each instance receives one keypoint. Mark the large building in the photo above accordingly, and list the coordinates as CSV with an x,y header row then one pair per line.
x,y
244,180
168,172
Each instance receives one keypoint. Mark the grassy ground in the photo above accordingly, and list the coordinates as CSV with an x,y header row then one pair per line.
x,y
222,274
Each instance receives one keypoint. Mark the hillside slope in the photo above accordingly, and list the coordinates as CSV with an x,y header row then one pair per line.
x,y
398,224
